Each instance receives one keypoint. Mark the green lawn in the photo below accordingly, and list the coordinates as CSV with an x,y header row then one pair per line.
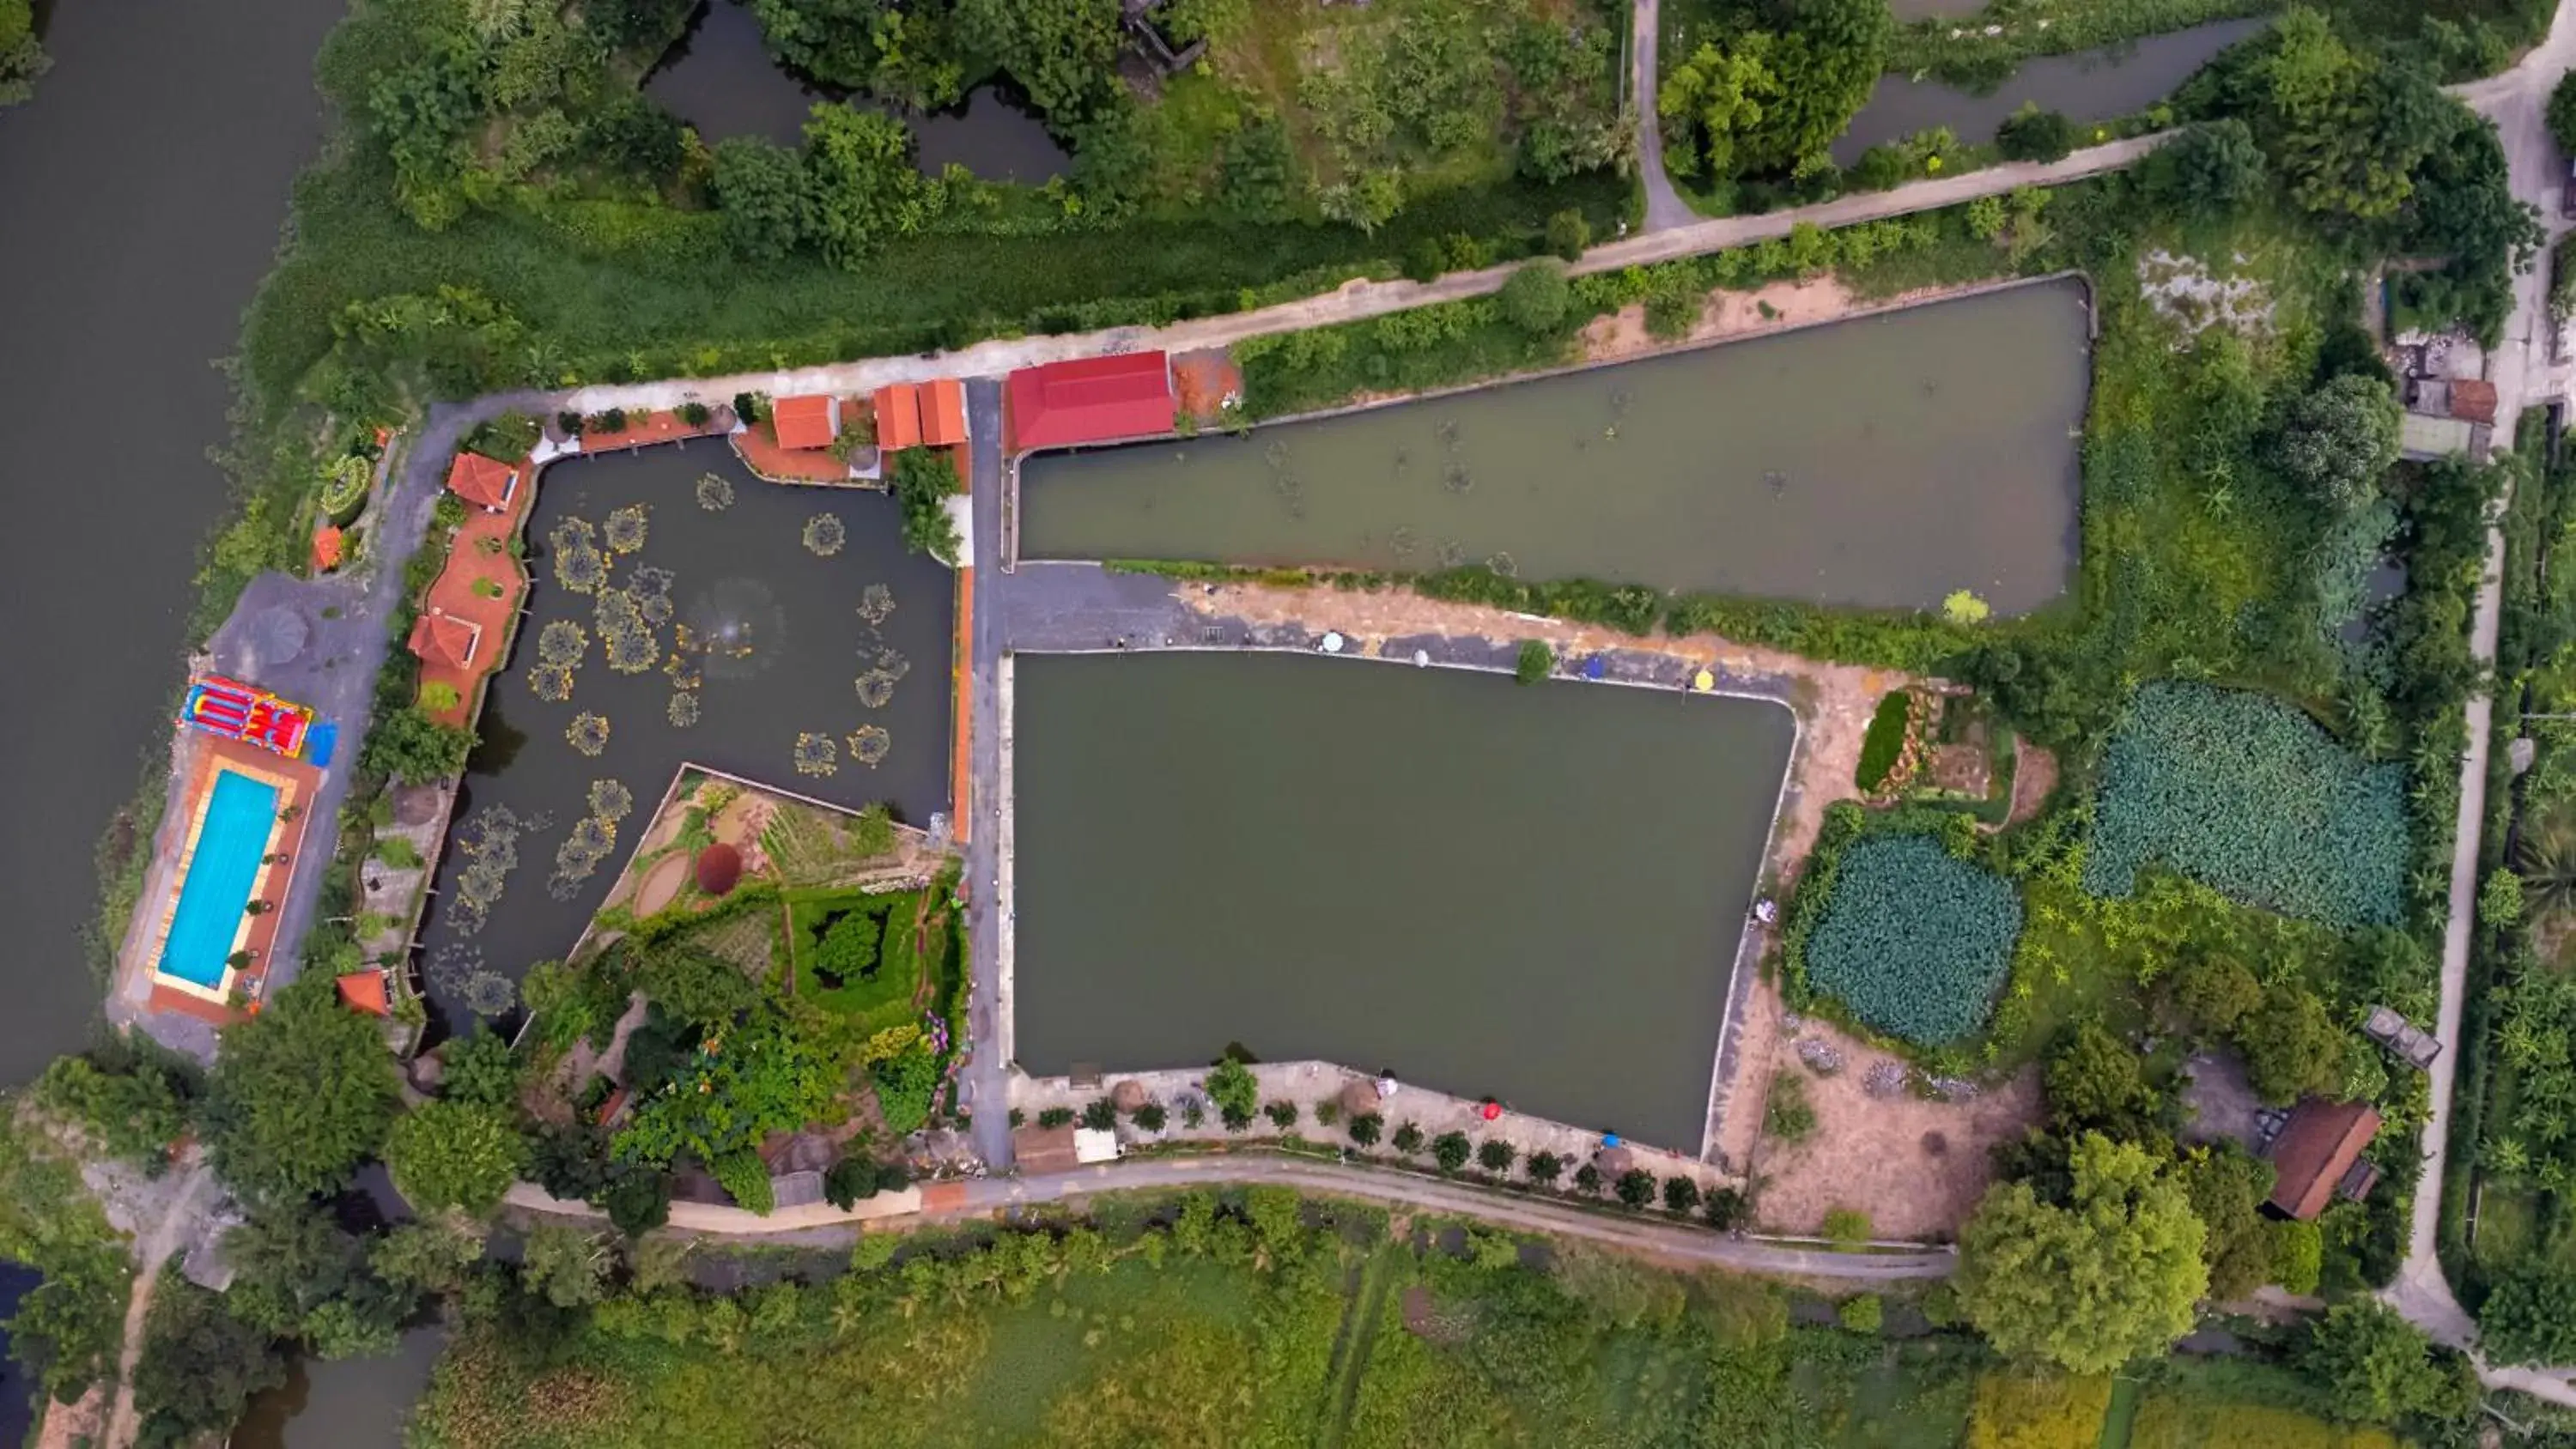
x,y
888,995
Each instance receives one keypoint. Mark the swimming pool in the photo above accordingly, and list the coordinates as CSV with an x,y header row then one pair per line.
x,y
240,811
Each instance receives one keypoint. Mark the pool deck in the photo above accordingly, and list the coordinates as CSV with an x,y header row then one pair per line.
x,y
143,993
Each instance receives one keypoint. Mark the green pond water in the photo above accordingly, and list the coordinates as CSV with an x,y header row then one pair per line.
x,y
1884,461
1529,892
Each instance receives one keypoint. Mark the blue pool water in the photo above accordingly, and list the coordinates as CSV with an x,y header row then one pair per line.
x,y
238,818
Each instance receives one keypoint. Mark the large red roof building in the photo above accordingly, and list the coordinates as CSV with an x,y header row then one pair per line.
x,y
1092,400
812,421
484,482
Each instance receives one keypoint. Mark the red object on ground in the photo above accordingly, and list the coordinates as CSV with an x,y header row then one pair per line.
x,y
898,406
719,866
235,710
326,549
943,412
1094,400
365,991
484,482
806,422
1493,1110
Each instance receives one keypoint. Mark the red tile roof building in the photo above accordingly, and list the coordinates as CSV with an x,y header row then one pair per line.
x,y
328,545
441,639
943,412
812,421
2473,400
365,991
898,406
1093,400
2318,1155
484,482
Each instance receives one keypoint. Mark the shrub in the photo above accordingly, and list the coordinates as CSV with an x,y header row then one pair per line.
x,y
2298,1255
719,868
1587,1179
1726,1209
1407,1139
2031,134
1786,1112
1545,1167
2562,113
1054,1117
1282,1115
1847,1227
1150,1117
848,949
860,1176
1914,940
2243,793
695,413
1099,1114
1861,1313
1365,1128
1567,235
1536,298
1535,660
1237,1094
1881,747
1495,1155
1635,1187
1680,1194
2016,1409
1449,1149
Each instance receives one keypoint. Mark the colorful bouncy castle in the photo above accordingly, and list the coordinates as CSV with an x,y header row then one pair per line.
x,y
238,711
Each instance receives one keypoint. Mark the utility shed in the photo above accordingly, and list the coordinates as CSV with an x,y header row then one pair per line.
x,y
2317,1157
2425,438
1090,400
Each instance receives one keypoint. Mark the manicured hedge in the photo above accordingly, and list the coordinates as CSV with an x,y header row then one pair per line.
x,y
2247,795
1885,743
1914,940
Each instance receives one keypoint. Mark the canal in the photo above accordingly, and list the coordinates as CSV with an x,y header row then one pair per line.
x,y
721,79
1533,893
778,638
2093,85
1884,461
140,197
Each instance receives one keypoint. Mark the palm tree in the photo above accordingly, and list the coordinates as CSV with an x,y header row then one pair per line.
x,y
2546,859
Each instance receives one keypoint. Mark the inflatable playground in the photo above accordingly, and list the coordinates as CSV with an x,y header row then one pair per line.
x,y
237,711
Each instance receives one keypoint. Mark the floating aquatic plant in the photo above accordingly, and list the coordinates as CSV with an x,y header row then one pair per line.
x,y
579,565
489,842
489,993
562,642
715,492
1504,565
869,743
610,800
633,651
650,579
550,682
657,609
625,528
684,671
824,534
876,603
578,858
616,609
684,709
587,733
875,688
816,754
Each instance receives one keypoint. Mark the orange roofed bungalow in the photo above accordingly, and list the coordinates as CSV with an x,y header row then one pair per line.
x,y
1092,400
484,482
442,638
805,423
2317,1157
898,409
943,412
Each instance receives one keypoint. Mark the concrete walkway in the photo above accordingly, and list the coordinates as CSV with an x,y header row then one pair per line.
x,y
2515,102
985,1082
1665,208
1648,1233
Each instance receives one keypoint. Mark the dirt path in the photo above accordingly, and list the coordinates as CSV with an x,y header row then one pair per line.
x,y
173,1229
2034,778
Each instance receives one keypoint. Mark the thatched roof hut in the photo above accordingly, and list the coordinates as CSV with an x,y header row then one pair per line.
x,y
1359,1097
1616,1163
1129,1095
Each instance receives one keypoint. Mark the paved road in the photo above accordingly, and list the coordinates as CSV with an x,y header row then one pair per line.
x,y
1665,208
2515,102
988,1071
1413,1191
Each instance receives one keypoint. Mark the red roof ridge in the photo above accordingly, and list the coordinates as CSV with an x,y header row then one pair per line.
x,y
484,482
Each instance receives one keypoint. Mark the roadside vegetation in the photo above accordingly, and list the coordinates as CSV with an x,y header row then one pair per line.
x,y
22,58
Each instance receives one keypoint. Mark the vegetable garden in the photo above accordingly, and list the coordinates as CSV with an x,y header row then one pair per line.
x,y
1914,940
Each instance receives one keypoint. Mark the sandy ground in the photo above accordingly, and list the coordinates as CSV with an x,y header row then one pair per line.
x,y
2034,777
1833,701
1730,312
1871,1153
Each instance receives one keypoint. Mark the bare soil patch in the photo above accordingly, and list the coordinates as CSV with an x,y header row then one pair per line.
x,y
2034,779
662,883
1729,312
1916,1167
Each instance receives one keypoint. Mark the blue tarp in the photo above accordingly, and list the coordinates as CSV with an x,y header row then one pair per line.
x,y
1596,667
320,742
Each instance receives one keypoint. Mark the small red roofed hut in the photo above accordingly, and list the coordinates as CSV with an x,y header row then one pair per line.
x,y
812,421
943,412
365,991
1092,400
486,483
898,406
438,638
328,542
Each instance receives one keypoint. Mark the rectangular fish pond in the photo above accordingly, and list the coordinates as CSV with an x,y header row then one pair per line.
x,y
1533,893
777,633
1884,461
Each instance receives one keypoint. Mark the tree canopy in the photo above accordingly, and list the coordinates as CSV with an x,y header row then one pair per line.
x,y
2335,442
2382,1368
451,1153
1775,92
300,1095
2091,1283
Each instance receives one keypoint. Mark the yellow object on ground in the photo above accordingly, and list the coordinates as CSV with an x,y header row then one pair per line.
x,y
1703,681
